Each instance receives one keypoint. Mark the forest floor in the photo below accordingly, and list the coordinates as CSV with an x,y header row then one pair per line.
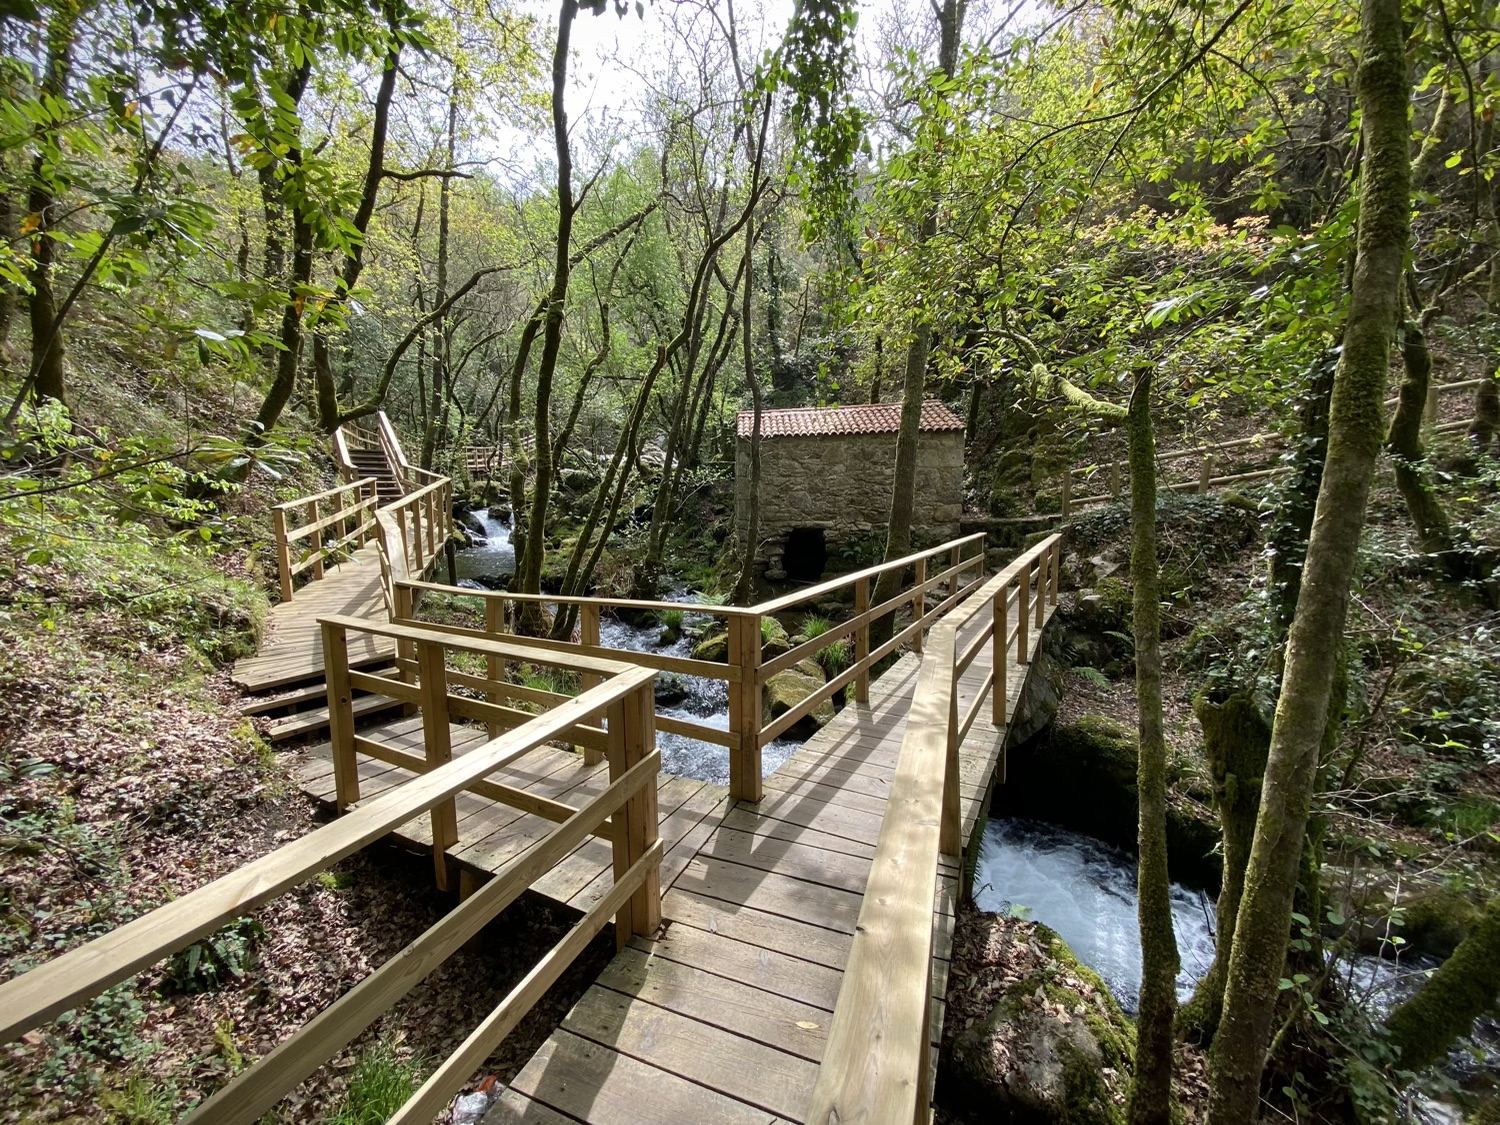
x,y
129,779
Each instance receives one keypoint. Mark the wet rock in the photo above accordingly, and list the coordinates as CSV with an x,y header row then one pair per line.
x,y
1083,777
715,646
1048,1051
500,512
670,690
472,526
787,688
1043,693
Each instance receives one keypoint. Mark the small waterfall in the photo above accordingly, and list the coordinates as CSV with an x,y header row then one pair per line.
x,y
492,558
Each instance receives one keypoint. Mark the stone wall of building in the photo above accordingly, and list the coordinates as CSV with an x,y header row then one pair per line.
x,y
842,483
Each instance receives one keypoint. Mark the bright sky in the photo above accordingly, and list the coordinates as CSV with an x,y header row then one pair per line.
x,y
616,59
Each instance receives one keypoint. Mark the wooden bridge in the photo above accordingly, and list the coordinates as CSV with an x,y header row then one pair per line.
x,y
782,942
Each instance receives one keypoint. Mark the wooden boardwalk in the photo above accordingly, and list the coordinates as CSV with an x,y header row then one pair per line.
x,y
722,1016
293,647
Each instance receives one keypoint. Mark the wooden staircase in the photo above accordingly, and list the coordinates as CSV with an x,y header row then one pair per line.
x,y
297,705
374,463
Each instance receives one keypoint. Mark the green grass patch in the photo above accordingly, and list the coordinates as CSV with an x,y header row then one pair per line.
x,y
381,1083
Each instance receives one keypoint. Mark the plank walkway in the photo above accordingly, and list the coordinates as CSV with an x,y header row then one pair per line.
x,y
293,647
724,1014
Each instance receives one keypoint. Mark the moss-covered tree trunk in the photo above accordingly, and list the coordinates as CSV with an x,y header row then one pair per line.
x,y
1258,956
1236,740
1465,987
1404,441
1150,1101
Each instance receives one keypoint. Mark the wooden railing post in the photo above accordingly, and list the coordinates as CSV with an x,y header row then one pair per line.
x,y
632,735
414,560
1205,472
316,542
950,836
1023,615
494,668
744,708
1114,480
999,644
1056,570
437,742
1431,411
1043,580
340,715
955,560
1067,491
862,641
283,553
588,634
919,604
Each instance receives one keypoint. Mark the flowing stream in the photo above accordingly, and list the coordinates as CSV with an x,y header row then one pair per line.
x,y
682,697
1085,890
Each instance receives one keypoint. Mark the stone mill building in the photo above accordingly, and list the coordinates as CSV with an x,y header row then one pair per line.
x,y
826,477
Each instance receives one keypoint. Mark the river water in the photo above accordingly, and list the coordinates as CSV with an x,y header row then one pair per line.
x,y
1085,890
683,697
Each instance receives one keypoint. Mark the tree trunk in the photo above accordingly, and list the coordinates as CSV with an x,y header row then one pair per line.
x,y
1236,740
744,587
1237,1058
47,352
1404,441
289,356
904,486
529,572
433,433
1465,987
1150,1100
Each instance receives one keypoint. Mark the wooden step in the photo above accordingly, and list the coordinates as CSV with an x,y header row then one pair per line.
x,y
304,722
312,693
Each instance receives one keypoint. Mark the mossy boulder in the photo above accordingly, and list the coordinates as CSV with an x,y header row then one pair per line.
x,y
714,646
1055,1048
787,688
774,638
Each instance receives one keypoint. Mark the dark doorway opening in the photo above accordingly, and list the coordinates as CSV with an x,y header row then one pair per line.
x,y
805,554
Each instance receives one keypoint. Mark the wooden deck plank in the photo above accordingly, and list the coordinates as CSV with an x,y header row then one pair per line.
x,y
596,1084
741,1068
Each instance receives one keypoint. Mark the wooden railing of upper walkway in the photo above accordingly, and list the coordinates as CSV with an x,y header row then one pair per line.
x,y
418,530
625,813
1203,461
876,1065
948,571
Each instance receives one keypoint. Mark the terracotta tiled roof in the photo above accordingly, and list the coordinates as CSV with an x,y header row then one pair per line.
x,y
825,421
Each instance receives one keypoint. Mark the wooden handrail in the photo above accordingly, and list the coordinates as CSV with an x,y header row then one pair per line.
x,y
625,813
876,1062
360,514
1206,480
74,977
744,672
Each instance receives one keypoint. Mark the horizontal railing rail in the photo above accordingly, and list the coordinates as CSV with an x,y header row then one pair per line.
x,y
347,512
960,569
1211,457
414,532
625,813
876,1064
